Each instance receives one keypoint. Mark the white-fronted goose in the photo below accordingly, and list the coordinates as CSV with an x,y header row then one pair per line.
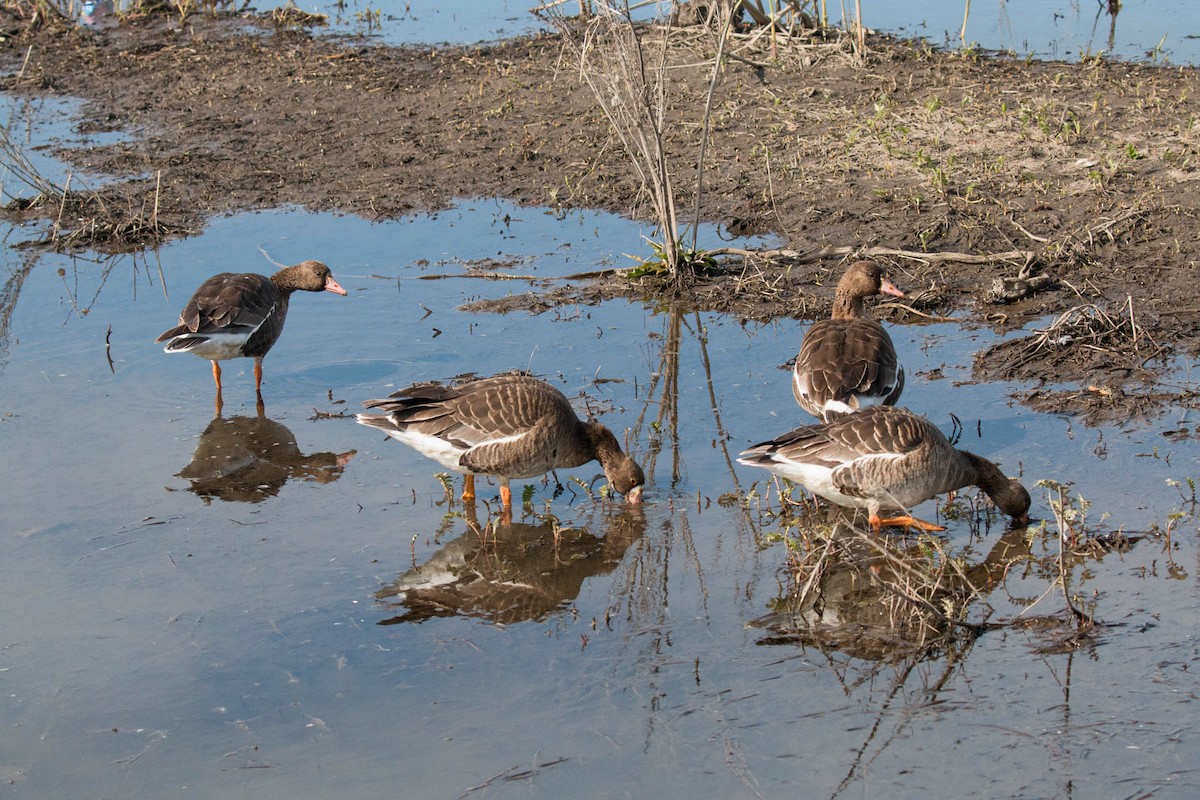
x,y
509,426
234,315
884,458
848,362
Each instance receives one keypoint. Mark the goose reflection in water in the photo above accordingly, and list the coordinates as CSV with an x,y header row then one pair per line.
x,y
859,602
248,459
510,573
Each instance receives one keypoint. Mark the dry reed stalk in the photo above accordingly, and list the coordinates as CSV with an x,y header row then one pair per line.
x,y
632,94
725,24
820,253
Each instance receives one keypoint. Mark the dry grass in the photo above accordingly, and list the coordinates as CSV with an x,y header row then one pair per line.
x,y
79,218
1090,334
904,598
626,71
626,65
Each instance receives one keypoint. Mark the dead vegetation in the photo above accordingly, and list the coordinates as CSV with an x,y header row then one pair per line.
x,y
41,13
1084,340
1107,362
906,598
86,220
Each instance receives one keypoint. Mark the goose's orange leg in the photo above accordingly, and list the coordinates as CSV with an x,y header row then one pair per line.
x,y
217,379
505,495
905,521
468,487
258,375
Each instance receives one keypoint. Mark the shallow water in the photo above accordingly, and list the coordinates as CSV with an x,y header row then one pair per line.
x,y
234,627
1162,30
160,640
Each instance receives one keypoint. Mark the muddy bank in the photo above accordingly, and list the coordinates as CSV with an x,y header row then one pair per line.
x,y
1068,187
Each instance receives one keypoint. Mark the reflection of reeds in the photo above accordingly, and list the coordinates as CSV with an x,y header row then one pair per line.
x,y
882,598
663,393
10,290
664,383
100,268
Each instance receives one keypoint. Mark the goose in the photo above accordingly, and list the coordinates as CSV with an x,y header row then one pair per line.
x,y
884,458
235,315
510,426
848,362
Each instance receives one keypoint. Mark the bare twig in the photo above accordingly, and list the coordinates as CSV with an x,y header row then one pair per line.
x,y
726,23
829,251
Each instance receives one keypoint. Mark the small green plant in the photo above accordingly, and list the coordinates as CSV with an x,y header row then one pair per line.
x,y
371,17
447,486
585,487
939,181
1071,128
695,260
970,52
1070,513
1188,497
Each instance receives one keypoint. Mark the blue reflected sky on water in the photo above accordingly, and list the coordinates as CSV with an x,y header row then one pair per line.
x,y
1052,29
156,640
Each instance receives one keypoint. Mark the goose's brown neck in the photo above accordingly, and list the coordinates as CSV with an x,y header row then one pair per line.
x,y
285,280
1007,493
847,305
603,445
623,472
983,473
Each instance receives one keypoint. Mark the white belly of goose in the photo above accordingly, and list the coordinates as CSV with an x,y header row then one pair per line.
x,y
446,453
212,346
818,480
438,449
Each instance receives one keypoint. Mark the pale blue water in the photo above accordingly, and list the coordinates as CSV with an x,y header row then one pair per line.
x,y
1162,30
156,644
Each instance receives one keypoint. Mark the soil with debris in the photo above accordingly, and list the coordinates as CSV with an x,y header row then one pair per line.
x,y
1058,198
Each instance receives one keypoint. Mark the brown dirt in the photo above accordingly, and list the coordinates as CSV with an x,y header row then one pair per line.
x,y
908,155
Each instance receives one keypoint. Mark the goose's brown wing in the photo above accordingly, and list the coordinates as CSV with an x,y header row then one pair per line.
x,y
230,303
533,452
891,447
850,361
477,412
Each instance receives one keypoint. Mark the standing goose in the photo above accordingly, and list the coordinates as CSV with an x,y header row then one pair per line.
x,y
848,362
236,315
510,426
884,458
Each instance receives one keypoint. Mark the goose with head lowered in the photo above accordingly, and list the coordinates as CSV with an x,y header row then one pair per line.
x,y
848,362
240,315
884,459
510,426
